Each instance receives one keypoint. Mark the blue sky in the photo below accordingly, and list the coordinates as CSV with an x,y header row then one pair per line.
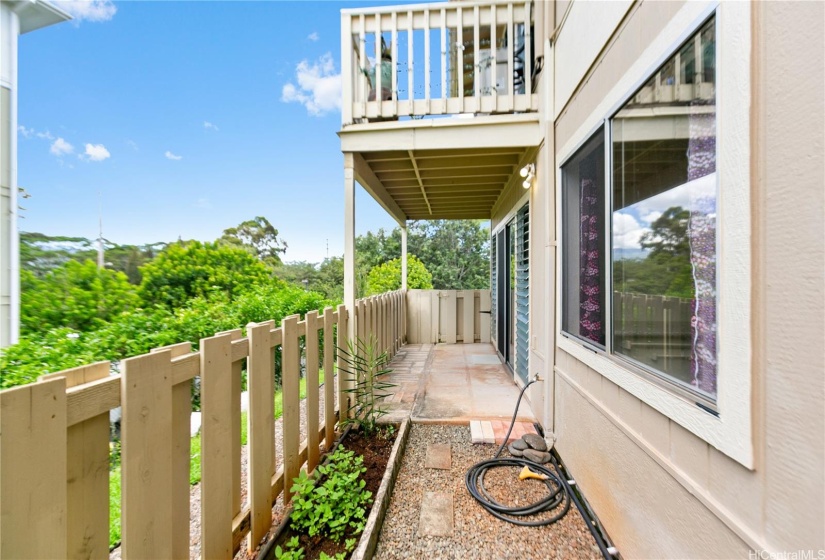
x,y
177,114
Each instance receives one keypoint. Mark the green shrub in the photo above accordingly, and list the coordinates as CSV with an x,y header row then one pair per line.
x,y
365,363
337,506
386,277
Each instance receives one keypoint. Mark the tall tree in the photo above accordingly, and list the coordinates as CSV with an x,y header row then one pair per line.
x,y
257,236
386,277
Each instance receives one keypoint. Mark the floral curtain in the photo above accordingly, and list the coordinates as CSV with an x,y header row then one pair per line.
x,y
590,240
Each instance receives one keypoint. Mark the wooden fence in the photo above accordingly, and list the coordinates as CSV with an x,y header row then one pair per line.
x,y
448,316
54,439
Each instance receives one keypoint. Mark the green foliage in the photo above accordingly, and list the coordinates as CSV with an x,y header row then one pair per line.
x,y
137,332
114,506
75,295
291,552
666,270
257,236
187,270
337,506
456,252
339,556
365,363
386,277
326,278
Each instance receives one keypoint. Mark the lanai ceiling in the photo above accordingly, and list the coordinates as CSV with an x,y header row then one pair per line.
x,y
445,183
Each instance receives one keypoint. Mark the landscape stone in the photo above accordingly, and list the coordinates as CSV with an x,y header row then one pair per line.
x,y
436,515
520,444
438,456
539,457
535,441
514,451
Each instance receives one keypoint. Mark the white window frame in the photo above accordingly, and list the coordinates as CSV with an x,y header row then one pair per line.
x,y
730,430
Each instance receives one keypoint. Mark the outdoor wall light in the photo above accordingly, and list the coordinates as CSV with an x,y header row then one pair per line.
x,y
529,173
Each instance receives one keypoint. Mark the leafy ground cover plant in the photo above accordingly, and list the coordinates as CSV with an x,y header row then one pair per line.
x,y
337,506
366,363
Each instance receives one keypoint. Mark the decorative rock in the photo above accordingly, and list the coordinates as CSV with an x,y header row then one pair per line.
x,y
535,441
539,457
519,444
514,451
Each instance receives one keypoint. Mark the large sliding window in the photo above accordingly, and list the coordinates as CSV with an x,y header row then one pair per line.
x,y
656,246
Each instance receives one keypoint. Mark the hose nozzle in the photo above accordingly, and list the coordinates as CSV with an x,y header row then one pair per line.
x,y
527,473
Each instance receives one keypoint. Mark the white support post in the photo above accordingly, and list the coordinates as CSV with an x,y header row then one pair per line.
x,y
349,242
404,256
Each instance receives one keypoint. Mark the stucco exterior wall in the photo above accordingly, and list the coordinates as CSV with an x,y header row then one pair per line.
x,y
661,491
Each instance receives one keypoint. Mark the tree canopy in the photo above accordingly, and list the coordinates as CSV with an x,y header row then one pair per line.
x,y
386,277
194,269
259,237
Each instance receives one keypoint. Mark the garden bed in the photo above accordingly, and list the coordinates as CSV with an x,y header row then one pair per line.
x,y
382,460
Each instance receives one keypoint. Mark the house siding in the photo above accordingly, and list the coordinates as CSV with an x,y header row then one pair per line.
x,y
661,491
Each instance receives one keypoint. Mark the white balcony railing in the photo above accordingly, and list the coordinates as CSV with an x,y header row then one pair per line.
x,y
438,59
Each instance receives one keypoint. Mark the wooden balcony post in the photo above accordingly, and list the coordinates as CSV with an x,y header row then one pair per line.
x,y
349,242
404,256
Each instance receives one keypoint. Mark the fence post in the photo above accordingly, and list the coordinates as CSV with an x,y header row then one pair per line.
x,y
312,357
147,444
290,379
181,451
216,446
33,463
260,372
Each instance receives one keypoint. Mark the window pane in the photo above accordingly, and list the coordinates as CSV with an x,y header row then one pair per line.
x,y
583,212
664,219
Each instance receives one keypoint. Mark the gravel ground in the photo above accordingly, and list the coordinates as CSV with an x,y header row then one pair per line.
x,y
277,509
477,534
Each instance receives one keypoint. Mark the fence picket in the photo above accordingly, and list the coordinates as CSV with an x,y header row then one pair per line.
x,y
181,450
147,444
290,379
341,343
237,372
484,305
216,446
469,316
33,463
312,358
87,473
261,437
448,317
329,378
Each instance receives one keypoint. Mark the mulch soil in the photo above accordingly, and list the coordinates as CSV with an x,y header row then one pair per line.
x,y
376,452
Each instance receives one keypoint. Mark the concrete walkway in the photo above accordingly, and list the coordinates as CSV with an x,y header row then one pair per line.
x,y
452,383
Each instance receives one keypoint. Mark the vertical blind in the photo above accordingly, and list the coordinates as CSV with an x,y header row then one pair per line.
x,y
522,262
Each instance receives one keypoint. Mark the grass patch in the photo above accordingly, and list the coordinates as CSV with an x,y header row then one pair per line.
x,y
194,462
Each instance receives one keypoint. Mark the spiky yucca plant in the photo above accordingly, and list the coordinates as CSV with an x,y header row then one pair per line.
x,y
365,363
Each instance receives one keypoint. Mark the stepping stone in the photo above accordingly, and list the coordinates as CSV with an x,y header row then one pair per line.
x,y
535,441
438,456
436,515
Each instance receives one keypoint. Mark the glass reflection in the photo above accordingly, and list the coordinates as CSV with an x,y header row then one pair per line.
x,y
664,219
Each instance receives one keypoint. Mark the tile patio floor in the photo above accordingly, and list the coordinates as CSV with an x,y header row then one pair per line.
x,y
453,384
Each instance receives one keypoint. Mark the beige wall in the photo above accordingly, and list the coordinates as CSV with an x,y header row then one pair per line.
x,y
660,491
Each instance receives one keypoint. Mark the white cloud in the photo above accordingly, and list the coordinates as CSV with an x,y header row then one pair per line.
x,y
318,89
60,148
203,203
313,36
652,216
132,144
173,157
25,132
95,152
44,135
626,231
89,10
209,126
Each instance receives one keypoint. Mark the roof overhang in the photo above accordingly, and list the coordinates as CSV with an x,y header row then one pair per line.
x,y
36,14
455,168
